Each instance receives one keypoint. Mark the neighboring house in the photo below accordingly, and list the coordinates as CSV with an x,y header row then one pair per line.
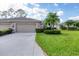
x,y
20,24
57,26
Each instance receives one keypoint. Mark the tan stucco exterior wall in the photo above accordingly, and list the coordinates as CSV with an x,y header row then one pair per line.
x,y
21,26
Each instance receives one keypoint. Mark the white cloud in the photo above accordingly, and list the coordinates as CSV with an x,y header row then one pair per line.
x,y
4,5
65,3
35,12
74,18
35,5
40,10
55,4
60,13
61,20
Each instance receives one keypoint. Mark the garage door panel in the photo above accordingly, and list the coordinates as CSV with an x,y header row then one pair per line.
x,y
25,28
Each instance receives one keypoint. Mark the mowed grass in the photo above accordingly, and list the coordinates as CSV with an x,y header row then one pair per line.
x,y
65,44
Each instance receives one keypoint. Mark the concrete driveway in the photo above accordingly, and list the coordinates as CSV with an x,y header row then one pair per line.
x,y
19,44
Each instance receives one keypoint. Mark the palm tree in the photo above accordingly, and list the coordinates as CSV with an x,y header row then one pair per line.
x,y
51,19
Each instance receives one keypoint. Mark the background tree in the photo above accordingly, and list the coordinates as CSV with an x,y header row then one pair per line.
x,y
4,14
20,13
0,14
77,24
69,23
11,12
51,19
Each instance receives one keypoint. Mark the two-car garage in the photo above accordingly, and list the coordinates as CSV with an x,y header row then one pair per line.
x,y
20,24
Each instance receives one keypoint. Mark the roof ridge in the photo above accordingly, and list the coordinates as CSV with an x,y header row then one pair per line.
x,y
20,18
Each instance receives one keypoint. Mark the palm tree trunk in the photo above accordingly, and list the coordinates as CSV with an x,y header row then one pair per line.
x,y
68,27
53,26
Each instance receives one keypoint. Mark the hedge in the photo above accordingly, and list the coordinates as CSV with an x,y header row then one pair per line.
x,y
7,31
39,30
49,28
52,31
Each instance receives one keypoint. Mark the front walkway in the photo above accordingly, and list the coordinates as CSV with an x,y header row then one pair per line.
x,y
19,44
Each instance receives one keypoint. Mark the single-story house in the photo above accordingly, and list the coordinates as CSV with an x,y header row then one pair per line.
x,y
20,24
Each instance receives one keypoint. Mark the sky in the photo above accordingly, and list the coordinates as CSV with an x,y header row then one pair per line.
x,y
39,11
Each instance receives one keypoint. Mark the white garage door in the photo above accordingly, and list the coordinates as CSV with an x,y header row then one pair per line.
x,y
26,28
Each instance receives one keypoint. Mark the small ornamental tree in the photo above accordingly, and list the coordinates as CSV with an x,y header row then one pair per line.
x,y
51,19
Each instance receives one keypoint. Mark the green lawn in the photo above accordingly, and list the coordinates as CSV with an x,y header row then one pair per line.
x,y
65,44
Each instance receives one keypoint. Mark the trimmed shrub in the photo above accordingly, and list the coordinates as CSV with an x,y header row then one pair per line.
x,y
52,31
8,31
1,33
39,30
49,28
